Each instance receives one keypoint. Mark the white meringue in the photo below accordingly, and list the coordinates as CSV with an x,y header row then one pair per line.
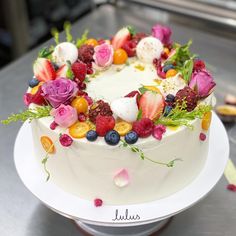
x,y
148,49
126,108
64,52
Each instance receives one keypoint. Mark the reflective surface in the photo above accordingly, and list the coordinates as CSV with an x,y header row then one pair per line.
x,y
22,214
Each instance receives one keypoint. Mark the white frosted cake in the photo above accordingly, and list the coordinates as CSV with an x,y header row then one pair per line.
x,y
120,121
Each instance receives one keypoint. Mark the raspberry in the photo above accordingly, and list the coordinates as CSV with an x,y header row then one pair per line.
x,y
130,48
85,53
187,95
79,69
104,124
198,65
137,37
81,117
143,127
99,108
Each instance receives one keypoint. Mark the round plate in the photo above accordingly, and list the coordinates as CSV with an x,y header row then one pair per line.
x,y
32,175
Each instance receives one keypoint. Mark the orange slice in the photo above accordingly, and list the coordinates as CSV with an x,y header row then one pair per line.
x,y
47,144
206,120
122,127
79,129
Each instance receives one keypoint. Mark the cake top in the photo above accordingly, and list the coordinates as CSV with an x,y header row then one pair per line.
x,y
133,85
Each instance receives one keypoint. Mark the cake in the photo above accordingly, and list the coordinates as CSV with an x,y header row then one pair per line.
x,y
120,121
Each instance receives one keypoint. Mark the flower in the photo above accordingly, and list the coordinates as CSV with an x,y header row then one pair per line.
x,y
64,116
163,33
59,91
158,131
103,55
65,140
202,83
121,178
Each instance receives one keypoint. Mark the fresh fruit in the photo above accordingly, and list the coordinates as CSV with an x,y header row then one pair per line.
x,y
35,89
122,127
152,88
170,98
36,98
82,117
143,127
112,137
33,82
80,104
206,120
167,110
152,105
85,53
91,135
188,96
130,48
47,144
62,71
104,124
131,137
120,38
92,42
138,36
99,108
166,50
79,129
171,73
79,70
43,70
91,125
120,56
168,67
202,136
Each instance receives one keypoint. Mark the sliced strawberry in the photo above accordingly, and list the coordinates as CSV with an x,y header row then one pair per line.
x,y
120,38
152,104
43,70
61,72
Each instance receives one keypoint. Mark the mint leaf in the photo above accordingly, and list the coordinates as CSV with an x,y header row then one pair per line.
x,y
140,114
69,72
132,30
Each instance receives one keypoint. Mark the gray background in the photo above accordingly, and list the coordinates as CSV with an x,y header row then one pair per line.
x,y
22,214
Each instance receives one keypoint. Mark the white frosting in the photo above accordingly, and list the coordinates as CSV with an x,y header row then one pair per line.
x,y
89,169
64,52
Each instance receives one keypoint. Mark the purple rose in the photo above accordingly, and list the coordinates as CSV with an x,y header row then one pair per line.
x,y
163,33
202,82
59,91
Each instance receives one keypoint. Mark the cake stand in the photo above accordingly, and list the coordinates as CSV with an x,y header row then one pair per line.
x,y
137,219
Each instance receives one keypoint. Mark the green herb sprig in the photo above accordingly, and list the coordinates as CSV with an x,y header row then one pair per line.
x,y
81,41
28,114
132,30
55,34
45,52
67,28
180,116
141,154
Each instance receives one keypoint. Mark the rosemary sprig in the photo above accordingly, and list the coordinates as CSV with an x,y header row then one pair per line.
x,y
55,34
81,41
28,114
180,116
67,28
137,150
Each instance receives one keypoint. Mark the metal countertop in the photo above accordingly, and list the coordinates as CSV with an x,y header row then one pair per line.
x,y
21,214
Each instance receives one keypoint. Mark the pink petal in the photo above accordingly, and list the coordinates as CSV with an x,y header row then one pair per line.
x,y
121,179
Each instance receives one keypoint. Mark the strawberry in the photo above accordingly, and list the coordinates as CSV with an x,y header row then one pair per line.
x,y
152,104
80,70
43,70
104,124
61,72
120,38
132,94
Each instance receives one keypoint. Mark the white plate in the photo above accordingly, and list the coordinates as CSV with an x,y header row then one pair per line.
x,y
31,173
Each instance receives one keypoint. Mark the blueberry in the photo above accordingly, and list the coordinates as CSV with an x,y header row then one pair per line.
x,y
168,67
33,82
131,137
91,135
112,137
167,110
170,98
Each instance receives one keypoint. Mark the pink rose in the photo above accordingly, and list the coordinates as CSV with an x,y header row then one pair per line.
x,y
202,82
163,33
103,55
64,116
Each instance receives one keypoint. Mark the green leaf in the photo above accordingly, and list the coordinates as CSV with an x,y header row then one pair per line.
x,y
82,40
67,28
140,114
142,90
45,52
69,72
55,34
132,30
28,114
187,70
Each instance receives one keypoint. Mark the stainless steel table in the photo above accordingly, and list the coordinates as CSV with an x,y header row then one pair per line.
x,y
21,214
